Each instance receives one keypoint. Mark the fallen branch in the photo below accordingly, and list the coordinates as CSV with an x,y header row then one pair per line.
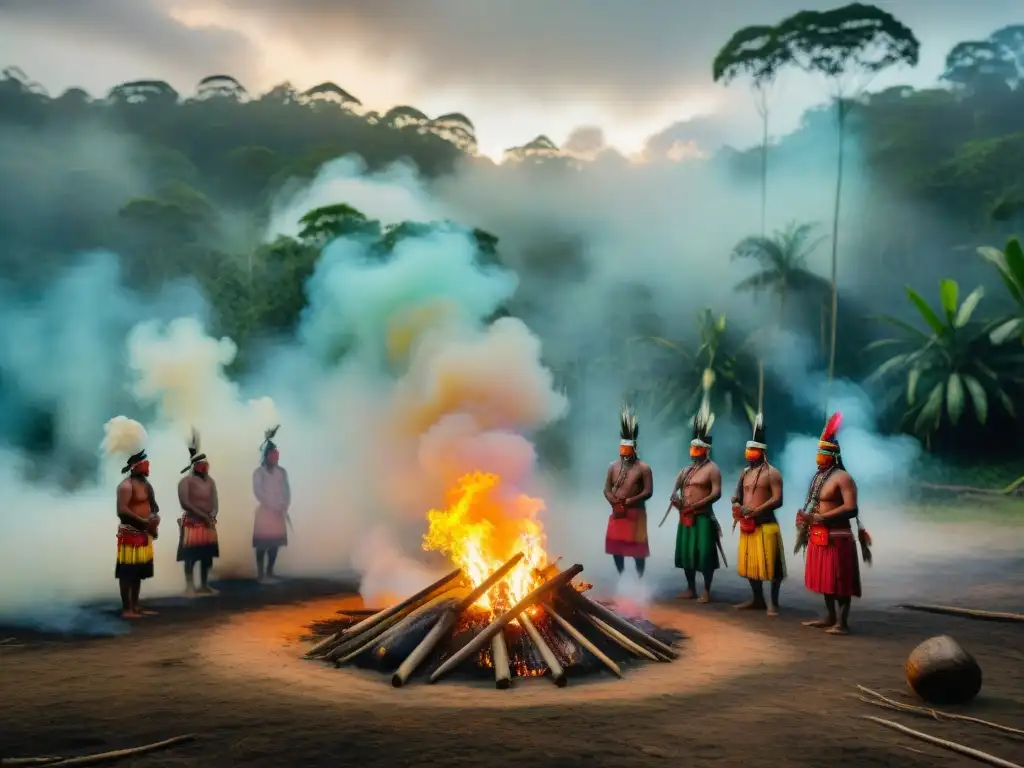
x,y
974,754
100,757
935,714
967,613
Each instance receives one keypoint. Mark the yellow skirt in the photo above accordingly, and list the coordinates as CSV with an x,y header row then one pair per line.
x,y
761,555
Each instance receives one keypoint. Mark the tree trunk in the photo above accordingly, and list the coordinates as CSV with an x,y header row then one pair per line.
x,y
841,115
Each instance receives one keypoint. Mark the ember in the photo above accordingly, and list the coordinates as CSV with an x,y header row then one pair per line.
x,y
504,612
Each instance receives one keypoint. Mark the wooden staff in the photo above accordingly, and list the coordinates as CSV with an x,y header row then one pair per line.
x,y
446,622
557,671
967,613
974,754
580,638
613,619
474,645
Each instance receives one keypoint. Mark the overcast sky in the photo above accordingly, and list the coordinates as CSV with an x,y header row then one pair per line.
x,y
517,68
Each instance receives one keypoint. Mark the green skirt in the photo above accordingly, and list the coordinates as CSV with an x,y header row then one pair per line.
x,y
696,548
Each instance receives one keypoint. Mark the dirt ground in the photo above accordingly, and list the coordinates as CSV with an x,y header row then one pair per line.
x,y
747,689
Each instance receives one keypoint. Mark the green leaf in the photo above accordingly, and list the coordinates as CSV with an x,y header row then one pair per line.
x,y
1000,261
1007,330
901,324
931,411
1014,256
888,367
978,398
912,379
1007,403
926,312
954,398
949,297
963,315
878,344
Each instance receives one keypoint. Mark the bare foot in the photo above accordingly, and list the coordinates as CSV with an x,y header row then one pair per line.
x,y
837,630
773,610
819,623
146,612
131,615
687,595
749,605
206,591
705,598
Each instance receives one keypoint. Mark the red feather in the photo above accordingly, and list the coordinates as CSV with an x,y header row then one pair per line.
x,y
832,427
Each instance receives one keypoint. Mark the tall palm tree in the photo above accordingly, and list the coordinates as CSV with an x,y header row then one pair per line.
x,y
951,362
1010,263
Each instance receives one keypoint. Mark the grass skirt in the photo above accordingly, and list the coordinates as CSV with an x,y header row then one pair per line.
x,y
833,569
761,556
627,536
196,542
134,556
696,548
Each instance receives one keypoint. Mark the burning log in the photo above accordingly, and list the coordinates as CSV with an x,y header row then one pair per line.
x,y
400,608
557,672
499,657
624,627
478,642
447,621
617,637
383,631
580,638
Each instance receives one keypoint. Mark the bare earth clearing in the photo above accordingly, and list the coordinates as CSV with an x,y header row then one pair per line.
x,y
747,689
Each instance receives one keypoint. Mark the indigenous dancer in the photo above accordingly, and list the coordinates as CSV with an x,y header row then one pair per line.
x,y
270,486
197,542
138,514
697,488
628,485
824,531
758,495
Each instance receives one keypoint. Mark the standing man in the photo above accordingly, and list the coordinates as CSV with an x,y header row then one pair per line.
x,y
271,489
758,495
831,567
139,517
197,543
697,488
628,485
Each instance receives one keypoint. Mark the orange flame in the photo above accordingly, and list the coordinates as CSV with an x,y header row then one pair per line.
x,y
481,530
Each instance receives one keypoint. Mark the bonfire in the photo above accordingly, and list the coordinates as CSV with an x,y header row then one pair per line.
x,y
504,612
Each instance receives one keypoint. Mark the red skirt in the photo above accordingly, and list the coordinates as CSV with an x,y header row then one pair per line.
x,y
832,568
626,535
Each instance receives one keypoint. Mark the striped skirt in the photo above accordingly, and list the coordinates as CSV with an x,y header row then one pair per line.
x,y
134,554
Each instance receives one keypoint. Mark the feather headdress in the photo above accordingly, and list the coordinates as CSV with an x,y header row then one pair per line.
x,y
123,435
757,441
629,429
193,452
828,442
268,444
704,419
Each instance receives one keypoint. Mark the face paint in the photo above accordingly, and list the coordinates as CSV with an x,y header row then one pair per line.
x,y
824,460
272,457
753,455
142,468
697,452
626,450
202,467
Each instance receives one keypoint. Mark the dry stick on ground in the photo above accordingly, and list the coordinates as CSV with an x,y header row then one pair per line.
x,y
935,714
974,754
967,613
100,757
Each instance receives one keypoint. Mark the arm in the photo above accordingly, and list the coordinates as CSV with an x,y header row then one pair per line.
x,y
737,496
287,490
646,491
257,484
703,506
608,495
214,500
848,509
775,501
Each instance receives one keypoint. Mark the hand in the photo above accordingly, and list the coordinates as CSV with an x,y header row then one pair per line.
x,y
816,518
748,512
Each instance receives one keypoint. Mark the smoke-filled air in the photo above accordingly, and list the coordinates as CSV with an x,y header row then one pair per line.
x,y
445,342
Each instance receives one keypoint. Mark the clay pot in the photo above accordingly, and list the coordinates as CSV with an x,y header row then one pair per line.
x,y
941,672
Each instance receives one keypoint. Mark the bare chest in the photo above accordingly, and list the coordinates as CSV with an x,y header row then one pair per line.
x,y
200,492
626,477
756,483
